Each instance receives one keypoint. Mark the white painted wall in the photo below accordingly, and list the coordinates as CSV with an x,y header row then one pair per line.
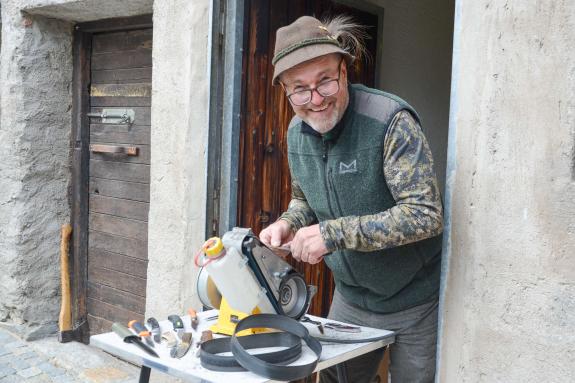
x,y
509,295
180,87
416,64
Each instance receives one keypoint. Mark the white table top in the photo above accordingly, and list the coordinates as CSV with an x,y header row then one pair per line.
x,y
189,368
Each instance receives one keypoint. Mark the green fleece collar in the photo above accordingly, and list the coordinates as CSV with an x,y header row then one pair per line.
x,y
334,133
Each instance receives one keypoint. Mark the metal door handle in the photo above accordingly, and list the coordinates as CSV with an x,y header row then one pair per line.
x,y
116,149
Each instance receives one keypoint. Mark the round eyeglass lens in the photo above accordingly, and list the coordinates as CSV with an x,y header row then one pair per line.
x,y
328,88
301,98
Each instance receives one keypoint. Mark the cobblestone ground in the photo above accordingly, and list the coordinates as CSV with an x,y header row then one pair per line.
x,y
21,363
47,360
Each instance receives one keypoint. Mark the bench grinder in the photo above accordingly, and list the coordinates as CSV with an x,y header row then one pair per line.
x,y
240,276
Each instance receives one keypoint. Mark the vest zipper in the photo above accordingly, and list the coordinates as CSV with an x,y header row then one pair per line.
x,y
336,196
329,185
326,179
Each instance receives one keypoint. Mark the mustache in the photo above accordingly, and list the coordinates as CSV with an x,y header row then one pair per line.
x,y
319,107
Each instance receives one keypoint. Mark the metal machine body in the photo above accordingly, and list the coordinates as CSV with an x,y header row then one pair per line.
x,y
283,289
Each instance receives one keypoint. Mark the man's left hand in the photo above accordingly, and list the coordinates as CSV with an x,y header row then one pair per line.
x,y
308,245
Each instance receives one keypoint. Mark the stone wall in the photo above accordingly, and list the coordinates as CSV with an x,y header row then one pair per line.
x,y
35,99
509,293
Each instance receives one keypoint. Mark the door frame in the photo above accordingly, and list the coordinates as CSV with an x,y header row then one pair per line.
x,y
225,69
80,139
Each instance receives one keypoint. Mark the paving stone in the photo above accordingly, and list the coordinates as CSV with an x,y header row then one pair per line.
x,y
42,378
11,379
28,355
19,364
6,358
6,370
21,350
50,369
29,372
14,345
35,361
5,337
63,379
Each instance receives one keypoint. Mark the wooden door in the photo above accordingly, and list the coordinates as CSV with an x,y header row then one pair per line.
x,y
119,183
264,181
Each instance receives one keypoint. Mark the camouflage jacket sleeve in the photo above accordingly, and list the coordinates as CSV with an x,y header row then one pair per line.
x,y
299,213
417,215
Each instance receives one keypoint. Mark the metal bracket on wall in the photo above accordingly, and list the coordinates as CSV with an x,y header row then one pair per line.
x,y
115,116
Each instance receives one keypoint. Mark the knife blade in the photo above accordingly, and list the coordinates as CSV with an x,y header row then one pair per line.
x,y
129,337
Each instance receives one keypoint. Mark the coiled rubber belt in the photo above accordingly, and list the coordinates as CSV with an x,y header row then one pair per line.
x,y
272,365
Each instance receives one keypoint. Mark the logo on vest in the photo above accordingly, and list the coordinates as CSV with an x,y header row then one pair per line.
x,y
348,168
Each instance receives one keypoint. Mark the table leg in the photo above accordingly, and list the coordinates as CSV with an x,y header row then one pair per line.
x,y
341,373
145,374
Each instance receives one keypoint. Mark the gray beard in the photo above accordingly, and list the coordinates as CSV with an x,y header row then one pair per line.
x,y
324,125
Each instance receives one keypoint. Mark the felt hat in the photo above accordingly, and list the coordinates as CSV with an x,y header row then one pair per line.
x,y
303,40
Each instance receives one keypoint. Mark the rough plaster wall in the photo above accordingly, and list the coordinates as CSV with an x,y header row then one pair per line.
x,y
416,64
88,10
178,171
35,73
509,304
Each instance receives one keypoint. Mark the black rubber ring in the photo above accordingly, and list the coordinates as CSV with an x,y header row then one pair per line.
x,y
210,359
271,370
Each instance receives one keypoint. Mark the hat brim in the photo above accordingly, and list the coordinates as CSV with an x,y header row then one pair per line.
x,y
304,54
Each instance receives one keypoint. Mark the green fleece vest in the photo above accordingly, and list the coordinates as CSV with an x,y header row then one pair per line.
x,y
341,174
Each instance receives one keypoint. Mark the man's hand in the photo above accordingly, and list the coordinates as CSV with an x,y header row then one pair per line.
x,y
277,234
308,245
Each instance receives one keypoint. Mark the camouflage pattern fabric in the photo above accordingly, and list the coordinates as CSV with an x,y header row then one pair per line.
x,y
409,174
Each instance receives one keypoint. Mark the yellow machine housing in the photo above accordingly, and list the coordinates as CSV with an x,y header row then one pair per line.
x,y
228,318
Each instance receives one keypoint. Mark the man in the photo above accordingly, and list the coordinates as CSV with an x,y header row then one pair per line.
x,y
365,198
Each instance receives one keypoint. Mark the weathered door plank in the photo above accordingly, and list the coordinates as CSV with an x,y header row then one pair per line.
x,y
119,207
115,244
122,76
132,191
122,41
127,228
118,281
127,59
135,134
104,310
112,296
120,171
118,262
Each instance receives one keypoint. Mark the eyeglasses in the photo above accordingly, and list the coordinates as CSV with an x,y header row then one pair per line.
x,y
325,89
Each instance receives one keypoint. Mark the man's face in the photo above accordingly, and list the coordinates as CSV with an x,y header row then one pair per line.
x,y
321,113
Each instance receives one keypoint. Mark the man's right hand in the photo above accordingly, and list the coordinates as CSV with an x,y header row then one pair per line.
x,y
277,234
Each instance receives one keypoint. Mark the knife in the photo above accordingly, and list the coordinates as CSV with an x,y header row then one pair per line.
x,y
142,331
129,337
